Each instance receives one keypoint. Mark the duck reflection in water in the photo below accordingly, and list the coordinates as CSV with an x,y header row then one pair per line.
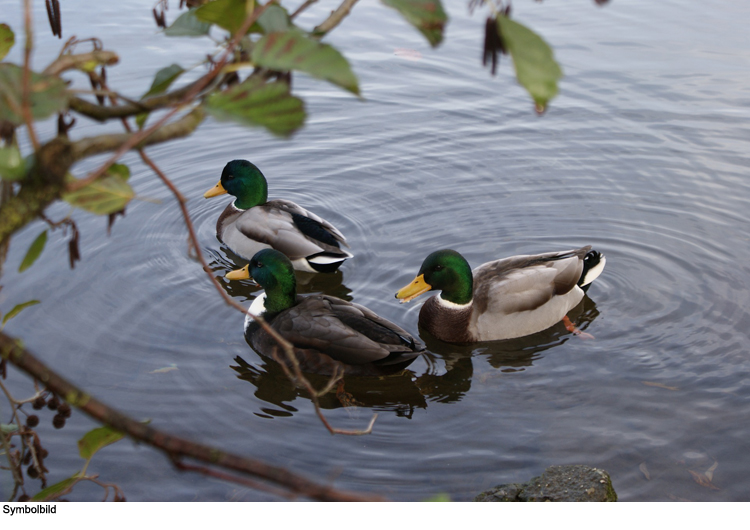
x,y
447,377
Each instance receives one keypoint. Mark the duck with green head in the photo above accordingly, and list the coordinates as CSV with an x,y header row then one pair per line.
x,y
502,299
251,223
325,331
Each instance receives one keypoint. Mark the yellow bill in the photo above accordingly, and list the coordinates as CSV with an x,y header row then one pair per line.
x,y
215,191
239,274
414,289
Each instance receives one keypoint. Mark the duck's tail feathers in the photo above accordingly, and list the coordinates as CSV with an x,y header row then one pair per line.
x,y
328,262
593,265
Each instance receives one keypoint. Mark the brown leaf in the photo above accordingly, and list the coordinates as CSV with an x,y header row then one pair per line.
x,y
702,479
644,470
659,385
710,471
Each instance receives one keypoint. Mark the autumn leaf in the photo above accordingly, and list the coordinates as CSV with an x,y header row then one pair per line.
x,y
659,385
702,479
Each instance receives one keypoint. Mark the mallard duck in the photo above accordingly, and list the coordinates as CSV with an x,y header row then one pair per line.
x,y
502,299
325,331
251,223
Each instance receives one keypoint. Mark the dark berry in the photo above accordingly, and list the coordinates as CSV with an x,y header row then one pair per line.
x,y
32,420
58,422
24,498
43,453
64,409
27,459
53,403
32,472
39,403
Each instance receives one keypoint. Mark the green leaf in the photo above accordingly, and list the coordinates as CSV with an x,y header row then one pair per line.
x,y
17,309
55,489
231,14
107,195
95,439
163,79
293,50
427,16
274,18
48,94
7,40
536,68
34,251
119,170
187,25
227,14
12,164
140,119
7,428
255,103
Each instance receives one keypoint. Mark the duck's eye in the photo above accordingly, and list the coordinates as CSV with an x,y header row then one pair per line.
x,y
230,177
438,268
259,265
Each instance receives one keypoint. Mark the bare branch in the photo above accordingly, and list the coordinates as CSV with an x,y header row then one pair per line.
x,y
81,60
335,18
101,113
174,446
104,143
301,8
26,79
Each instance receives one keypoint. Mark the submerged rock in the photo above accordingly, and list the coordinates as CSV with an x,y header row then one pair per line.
x,y
557,484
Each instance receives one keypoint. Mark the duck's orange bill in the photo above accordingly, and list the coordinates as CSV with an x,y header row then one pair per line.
x,y
239,274
414,289
216,190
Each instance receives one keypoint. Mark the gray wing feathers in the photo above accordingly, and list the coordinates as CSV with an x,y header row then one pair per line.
x,y
524,283
320,322
272,224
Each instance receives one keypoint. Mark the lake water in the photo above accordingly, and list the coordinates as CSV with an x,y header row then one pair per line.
x,y
644,155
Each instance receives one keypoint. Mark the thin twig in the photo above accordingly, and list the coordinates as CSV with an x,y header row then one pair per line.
x,y
232,478
299,377
26,78
301,8
17,476
334,19
69,62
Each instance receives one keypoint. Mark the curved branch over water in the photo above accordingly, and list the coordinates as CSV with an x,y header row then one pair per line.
x,y
174,447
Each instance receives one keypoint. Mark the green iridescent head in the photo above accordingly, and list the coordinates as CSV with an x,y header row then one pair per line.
x,y
273,271
443,270
245,181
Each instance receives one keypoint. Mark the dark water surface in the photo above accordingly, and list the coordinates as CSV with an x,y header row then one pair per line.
x,y
643,155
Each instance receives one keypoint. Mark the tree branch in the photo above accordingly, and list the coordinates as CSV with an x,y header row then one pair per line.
x,y
81,60
26,78
102,113
173,446
42,185
104,143
334,19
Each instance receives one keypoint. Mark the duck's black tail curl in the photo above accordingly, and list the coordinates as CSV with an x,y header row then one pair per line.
x,y
593,265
